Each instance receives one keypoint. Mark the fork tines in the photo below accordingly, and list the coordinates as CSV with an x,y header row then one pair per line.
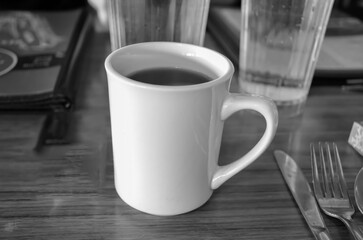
x,y
330,187
328,176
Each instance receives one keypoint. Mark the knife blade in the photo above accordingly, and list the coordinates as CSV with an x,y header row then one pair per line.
x,y
303,194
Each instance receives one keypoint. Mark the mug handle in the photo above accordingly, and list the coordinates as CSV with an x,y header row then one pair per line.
x,y
237,102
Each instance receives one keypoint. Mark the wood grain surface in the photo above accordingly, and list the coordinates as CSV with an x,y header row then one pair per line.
x,y
67,191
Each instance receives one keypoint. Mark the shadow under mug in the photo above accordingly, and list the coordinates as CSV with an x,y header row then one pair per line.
x,y
166,139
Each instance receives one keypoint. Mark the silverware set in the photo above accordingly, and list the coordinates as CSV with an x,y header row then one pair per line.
x,y
330,189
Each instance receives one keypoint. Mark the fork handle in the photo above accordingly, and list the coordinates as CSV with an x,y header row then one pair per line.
x,y
353,227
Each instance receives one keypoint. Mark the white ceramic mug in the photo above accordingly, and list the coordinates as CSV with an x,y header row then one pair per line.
x,y
166,139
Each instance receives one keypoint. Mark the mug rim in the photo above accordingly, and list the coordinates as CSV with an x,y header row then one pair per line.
x,y
170,45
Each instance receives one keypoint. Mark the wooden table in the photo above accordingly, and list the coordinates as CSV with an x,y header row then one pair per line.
x,y
67,191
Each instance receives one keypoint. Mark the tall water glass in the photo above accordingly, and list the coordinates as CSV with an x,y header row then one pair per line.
x,y
279,48
135,21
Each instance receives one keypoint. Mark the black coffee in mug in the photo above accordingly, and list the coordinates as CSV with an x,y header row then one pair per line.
x,y
170,77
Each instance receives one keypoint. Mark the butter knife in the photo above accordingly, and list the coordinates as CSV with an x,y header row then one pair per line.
x,y
303,195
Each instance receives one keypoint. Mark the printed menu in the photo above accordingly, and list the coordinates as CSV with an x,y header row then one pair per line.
x,y
38,50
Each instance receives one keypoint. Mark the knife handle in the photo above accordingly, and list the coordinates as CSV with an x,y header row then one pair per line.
x,y
321,234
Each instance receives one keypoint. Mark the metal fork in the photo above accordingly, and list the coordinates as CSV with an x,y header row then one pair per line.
x,y
330,187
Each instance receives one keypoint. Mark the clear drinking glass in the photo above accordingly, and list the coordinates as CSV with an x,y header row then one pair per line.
x,y
279,47
135,21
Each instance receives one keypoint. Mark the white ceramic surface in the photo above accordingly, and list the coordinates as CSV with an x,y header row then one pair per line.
x,y
166,139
